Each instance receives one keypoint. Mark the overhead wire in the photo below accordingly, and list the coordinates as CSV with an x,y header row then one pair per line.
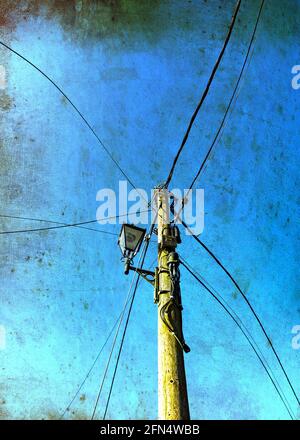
x,y
114,343
67,408
91,368
137,276
60,90
84,119
205,92
202,165
245,332
220,264
95,135
54,222
71,225
231,99
127,321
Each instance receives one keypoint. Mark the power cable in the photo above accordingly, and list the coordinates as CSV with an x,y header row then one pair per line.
x,y
127,321
231,99
141,259
245,332
54,222
95,360
74,107
92,367
249,305
81,116
67,225
165,310
210,80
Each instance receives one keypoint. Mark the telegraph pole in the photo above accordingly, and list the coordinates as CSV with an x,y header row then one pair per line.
x,y
172,388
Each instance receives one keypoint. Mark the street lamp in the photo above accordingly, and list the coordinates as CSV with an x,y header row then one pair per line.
x,y
130,240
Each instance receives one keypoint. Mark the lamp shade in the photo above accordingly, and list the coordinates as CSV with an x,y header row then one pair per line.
x,y
130,239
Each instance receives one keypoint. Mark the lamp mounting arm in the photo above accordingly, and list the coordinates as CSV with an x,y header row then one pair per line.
x,y
148,275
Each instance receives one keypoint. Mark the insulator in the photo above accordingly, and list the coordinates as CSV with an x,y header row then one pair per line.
x,y
173,258
177,234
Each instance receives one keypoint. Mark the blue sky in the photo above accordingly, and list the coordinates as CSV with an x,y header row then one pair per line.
x,y
137,72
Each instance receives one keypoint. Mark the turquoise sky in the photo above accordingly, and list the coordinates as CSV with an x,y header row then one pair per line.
x,y
136,70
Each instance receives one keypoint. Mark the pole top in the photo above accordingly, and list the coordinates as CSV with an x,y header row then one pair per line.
x,y
162,185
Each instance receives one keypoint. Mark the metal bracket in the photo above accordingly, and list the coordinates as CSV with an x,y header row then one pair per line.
x,y
145,274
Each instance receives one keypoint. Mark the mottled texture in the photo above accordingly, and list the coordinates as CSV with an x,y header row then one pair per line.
x,y
136,69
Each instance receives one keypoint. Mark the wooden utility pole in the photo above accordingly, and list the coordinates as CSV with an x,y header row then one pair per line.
x,y
172,388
